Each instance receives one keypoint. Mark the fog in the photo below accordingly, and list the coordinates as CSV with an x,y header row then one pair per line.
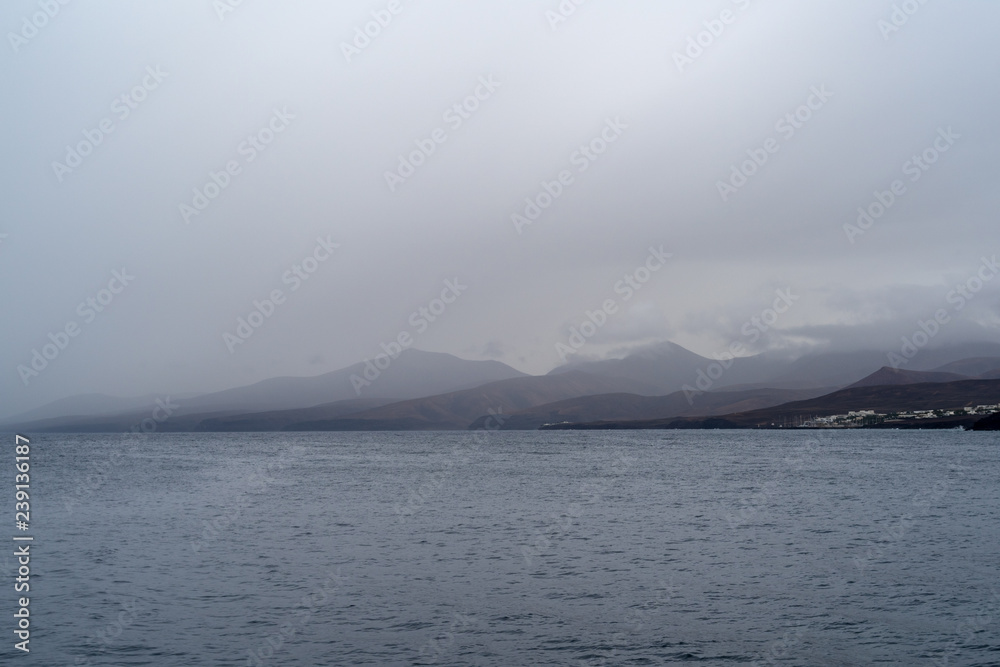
x,y
507,167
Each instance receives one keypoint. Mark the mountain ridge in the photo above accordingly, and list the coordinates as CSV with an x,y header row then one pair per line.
x,y
893,398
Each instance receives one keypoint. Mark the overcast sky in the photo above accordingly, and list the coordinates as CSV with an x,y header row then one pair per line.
x,y
666,97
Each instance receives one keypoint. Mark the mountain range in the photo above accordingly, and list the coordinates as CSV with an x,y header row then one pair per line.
x,y
420,390
899,397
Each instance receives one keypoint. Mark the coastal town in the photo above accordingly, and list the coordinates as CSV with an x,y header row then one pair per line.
x,y
869,418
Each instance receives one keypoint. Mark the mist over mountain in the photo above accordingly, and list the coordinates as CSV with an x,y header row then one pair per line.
x,y
419,390
457,410
669,367
973,367
486,182
412,373
276,275
887,376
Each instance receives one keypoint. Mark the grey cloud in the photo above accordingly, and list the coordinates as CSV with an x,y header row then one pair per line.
x,y
324,174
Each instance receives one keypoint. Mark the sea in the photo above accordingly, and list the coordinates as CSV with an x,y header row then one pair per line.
x,y
781,547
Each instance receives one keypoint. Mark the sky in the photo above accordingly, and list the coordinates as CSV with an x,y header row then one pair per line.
x,y
663,171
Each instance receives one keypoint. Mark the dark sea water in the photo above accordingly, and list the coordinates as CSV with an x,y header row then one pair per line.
x,y
520,548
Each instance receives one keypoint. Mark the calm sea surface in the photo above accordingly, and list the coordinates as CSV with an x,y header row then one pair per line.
x,y
517,548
